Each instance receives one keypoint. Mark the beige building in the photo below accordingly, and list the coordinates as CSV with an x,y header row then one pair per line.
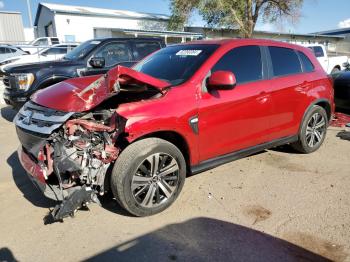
x,y
11,27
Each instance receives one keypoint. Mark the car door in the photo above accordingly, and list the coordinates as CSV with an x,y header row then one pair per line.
x,y
114,53
231,120
289,87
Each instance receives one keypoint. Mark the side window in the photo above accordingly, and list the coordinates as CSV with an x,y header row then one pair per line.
x,y
114,53
2,50
59,50
41,42
317,50
12,50
8,50
142,49
285,61
307,64
244,62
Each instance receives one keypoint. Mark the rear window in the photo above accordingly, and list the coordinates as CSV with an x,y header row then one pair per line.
x,y
244,62
307,64
285,61
318,51
142,49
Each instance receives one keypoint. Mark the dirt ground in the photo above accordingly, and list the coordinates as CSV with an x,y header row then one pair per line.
x,y
273,206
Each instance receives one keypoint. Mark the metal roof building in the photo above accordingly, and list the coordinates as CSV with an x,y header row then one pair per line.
x,y
80,23
334,43
11,27
337,32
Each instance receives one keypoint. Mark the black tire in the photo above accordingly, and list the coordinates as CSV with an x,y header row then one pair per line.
x,y
133,163
303,144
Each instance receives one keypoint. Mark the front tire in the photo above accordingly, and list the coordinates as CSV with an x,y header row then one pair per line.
x,y
148,176
313,130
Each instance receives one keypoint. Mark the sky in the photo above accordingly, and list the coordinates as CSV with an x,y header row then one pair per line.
x,y
316,15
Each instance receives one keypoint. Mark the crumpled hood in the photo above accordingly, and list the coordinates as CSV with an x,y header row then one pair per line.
x,y
83,93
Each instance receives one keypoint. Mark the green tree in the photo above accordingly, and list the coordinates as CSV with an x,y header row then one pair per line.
x,y
240,14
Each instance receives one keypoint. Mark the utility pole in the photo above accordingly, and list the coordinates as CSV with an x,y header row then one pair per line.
x,y
29,14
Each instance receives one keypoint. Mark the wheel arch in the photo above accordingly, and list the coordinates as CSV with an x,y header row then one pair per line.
x,y
322,102
50,81
175,138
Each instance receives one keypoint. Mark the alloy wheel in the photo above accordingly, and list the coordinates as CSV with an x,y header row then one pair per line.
x,y
315,130
155,181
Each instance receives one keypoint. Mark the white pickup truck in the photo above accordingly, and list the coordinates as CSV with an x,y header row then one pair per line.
x,y
38,44
330,64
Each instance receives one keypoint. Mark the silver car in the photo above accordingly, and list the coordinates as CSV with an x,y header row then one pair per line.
x,y
7,51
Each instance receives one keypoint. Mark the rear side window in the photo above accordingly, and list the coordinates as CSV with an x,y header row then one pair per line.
x,y
12,50
142,49
307,64
59,50
285,61
317,50
55,41
244,62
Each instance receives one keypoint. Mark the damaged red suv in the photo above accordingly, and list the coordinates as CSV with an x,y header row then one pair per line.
x,y
184,109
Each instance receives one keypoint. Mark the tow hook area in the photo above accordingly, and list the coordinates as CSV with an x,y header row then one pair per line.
x,y
80,198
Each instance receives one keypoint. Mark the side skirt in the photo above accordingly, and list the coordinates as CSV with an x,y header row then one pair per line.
x,y
217,161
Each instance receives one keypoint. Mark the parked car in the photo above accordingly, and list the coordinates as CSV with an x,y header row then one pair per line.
x,y
38,44
331,64
342,90
184,109
7,51
48,54
90,58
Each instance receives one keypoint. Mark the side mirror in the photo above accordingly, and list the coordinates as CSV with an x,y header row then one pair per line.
x,y
346,64
97,62
223,80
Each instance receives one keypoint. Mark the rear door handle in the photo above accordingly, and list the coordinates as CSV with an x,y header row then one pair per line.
x,y
304,84
263,97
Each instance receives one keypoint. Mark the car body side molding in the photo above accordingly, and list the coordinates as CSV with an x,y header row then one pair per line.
x,y
217,161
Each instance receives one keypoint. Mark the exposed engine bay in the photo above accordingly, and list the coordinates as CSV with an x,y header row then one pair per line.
x,y
70,153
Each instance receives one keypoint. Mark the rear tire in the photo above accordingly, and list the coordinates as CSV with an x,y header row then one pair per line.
x,y
148,176
313,130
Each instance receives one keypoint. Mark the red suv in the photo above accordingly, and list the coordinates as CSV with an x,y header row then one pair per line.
x,y
184,109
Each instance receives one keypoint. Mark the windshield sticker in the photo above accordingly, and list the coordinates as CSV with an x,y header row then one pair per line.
x,y
189,52
95,42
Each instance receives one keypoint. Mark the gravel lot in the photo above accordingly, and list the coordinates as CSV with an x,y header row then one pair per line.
x,y
272,206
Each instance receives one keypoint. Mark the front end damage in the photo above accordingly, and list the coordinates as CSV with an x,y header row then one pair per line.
x,y
68,153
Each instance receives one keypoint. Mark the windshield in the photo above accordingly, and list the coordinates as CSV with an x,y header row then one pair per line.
x,y
175,64
81,50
